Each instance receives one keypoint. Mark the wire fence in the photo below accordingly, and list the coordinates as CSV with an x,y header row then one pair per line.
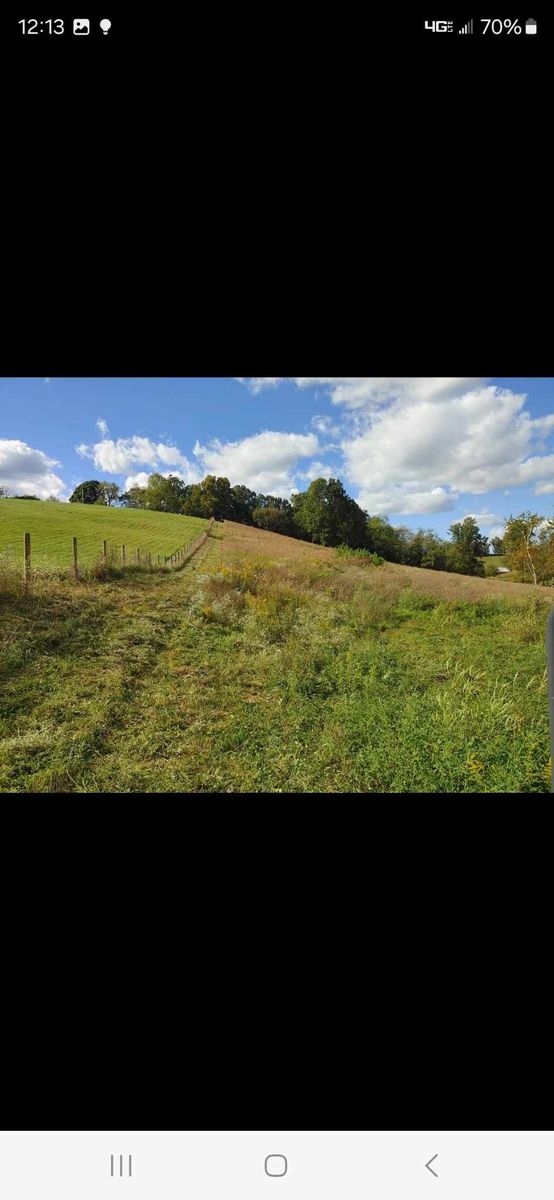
x,y
119,556
185,552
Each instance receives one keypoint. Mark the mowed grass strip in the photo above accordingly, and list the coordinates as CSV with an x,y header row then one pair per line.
x,y
52,526
266,666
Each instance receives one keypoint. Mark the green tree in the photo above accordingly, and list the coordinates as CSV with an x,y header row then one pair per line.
x,y
135,497
86,493
210,498
497,544
520,543
432,550
467,544
277,520
164,493
329,515
110,493
417,548
382,538
404,537
263,501
244,503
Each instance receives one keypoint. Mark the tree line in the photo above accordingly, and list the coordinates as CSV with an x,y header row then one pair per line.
x,y
325,514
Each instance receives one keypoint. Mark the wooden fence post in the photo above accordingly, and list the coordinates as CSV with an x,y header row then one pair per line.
x,y
75,562
26,558
123,556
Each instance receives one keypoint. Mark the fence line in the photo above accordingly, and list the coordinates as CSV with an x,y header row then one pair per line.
x,y
177,559
182,555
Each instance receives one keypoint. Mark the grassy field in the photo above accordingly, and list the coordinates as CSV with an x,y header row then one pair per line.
x,y
267,664
53,525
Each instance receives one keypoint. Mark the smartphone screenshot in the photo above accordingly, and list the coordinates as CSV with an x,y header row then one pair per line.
x,y
216,581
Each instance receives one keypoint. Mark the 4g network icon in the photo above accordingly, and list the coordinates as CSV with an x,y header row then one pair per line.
x,y
440,26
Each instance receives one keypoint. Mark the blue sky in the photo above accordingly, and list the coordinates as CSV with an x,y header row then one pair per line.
x,y
425,452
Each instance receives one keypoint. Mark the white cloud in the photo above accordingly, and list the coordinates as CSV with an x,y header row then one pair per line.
x,y
543,425
265,462
372,392
324,425
171,456
369,392
260,384
102,426
409,445
142,477
422,451
139,480
484,519
25,470
415,444
318,470
117,457
401,501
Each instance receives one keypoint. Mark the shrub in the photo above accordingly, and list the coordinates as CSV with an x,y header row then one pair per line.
x,y
368,556
218,601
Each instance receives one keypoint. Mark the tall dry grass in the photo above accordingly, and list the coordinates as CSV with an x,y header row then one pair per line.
x,y
243,543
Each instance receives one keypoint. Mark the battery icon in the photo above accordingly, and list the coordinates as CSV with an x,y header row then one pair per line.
x,y
530,26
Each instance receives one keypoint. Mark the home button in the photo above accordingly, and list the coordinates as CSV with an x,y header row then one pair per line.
x,y
276,1164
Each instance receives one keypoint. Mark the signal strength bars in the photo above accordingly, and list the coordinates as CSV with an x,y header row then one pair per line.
x,y
468,28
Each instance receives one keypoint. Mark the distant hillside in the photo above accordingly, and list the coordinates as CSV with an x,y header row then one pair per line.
x,y
244,540
53,525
